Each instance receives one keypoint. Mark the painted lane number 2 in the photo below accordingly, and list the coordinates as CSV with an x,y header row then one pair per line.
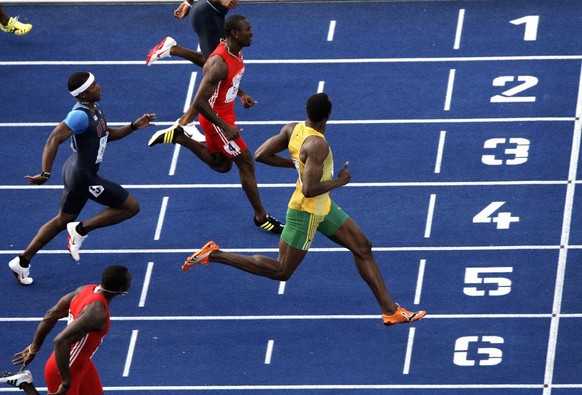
x,y
512,95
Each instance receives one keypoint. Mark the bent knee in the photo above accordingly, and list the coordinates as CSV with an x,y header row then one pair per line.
x,y
363,248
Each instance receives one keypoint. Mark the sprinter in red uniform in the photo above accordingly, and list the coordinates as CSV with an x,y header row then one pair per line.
x,y
69,369
215,102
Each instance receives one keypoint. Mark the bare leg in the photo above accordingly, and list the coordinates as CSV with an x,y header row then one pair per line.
x,y
29,389
246,168
48,232
350,236
195,57
277,269
216,162
4,17
113,215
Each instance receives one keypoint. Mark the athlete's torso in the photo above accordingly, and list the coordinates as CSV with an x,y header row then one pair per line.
x,y
318,205
88,144
87,346
223,98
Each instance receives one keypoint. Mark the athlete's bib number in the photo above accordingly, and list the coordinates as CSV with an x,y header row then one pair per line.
x,y
232,148
102,146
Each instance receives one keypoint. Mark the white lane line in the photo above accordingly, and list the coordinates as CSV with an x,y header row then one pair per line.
x,y
419,281
409,345
564,240
429,216
450,85
146,284
440,150
130,351
320,86
459,32
331,31
282,287
461,59
161,217
174,163
269,352
190,93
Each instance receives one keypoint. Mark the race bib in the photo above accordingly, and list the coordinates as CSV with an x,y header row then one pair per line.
x,y
102,146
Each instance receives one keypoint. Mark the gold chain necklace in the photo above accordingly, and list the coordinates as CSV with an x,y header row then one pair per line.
x,y
228,50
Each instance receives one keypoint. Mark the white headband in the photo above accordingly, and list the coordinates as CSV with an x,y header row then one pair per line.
x,y
83,87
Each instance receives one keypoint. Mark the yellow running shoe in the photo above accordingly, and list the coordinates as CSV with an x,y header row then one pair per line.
x,y
16,27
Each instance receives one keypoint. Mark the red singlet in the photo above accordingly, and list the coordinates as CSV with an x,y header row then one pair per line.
x,y
84,377
222,101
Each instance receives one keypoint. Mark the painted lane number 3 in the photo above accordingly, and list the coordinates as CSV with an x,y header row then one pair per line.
x,y
517,151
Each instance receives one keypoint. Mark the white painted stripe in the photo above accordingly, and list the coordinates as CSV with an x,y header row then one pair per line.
x,y
338,122
351,185
429,216
130,352
146,284
282,287
419,281
174,163
331,31
305,317
565,239
190,92
408,356
450,85
269,352
161,218
298,61
320,86
344,387
459,31
311,250
440,150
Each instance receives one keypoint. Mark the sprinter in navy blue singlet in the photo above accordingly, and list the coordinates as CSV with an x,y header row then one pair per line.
x,y
89,134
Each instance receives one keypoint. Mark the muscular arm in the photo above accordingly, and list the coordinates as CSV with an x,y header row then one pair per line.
x,y
59,134
313,154
50,319
92,318
268,152
140,123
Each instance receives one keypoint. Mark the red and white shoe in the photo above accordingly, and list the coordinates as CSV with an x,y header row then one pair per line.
x,y
21,273
160,51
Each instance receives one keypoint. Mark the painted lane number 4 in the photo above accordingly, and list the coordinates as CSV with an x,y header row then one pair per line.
x,y
502,219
